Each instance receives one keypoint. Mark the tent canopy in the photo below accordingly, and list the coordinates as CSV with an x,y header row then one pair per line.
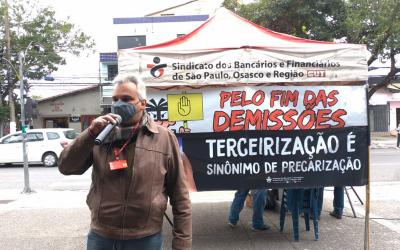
x,y
227,38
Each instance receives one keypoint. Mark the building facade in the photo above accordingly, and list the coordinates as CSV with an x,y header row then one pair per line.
x,y
75,109
384,110
153,28
384,105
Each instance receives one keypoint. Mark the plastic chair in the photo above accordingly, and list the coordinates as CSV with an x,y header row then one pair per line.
x,y
300,201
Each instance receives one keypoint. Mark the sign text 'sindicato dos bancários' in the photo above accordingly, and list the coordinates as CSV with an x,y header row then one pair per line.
x,y
255,65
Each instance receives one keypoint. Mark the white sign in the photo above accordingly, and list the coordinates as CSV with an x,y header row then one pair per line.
x,y
260,108
245,66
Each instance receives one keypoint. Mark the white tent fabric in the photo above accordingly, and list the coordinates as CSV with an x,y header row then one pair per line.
x,y
230,49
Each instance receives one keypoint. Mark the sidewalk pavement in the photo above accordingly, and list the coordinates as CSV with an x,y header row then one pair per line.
x,y
60,220
387,141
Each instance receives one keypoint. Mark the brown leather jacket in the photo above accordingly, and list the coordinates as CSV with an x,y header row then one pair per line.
x,y
131,205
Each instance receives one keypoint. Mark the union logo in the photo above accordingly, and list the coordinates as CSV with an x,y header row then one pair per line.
x,y
156,69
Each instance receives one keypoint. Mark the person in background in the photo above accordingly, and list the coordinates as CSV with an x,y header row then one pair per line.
x,y
136,169
259,200
338,202
398,135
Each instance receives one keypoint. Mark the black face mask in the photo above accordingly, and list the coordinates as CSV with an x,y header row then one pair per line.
x,y
124,109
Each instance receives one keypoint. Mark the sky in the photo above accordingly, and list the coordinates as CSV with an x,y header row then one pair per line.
x,y
95,18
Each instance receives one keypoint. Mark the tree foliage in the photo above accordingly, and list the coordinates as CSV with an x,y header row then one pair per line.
x,y
32,26
3,112
317,19
374,23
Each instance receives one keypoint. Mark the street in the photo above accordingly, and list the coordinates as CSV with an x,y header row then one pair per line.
x,y
41,178
59,203
385,187
385,167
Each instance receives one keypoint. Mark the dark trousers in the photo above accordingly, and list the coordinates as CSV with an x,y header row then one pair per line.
x,y
97,242
338,200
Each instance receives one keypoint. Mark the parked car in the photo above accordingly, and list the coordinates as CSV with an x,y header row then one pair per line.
x,y
43,146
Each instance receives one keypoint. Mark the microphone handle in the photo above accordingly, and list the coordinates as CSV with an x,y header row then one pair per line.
x,y
104,133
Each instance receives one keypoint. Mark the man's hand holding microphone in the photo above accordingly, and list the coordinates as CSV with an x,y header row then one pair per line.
x,y
102,126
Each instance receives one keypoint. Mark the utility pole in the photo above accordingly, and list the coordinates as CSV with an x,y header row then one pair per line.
x,y
9,79
27,188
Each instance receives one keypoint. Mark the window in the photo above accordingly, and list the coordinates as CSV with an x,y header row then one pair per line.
x,y
13,139
34,137
70,134
112,71
56,122
126,42
52,135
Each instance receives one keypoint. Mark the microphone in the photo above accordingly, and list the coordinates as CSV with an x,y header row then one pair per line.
x,y
104,133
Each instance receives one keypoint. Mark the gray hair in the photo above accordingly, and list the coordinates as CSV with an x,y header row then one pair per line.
x,y
128,78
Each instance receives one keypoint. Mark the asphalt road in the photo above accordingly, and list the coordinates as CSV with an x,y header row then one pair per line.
x,y
41,178
385,167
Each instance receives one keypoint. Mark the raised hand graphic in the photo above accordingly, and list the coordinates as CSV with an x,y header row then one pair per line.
x,y
184,107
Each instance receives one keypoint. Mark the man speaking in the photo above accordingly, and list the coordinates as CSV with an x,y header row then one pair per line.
x,y
136,167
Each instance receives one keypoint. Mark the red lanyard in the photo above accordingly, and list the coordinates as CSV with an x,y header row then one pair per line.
x,y
117,151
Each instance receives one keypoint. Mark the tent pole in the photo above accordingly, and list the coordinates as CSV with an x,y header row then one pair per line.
x,y
367,204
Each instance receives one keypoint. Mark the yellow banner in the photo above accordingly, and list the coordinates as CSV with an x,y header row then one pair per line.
x,y
185,107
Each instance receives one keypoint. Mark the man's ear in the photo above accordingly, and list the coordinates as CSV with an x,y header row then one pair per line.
x,y
143,103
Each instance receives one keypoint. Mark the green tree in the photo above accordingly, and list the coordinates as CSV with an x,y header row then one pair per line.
x,y
32,26
317,19
374,23
3,113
